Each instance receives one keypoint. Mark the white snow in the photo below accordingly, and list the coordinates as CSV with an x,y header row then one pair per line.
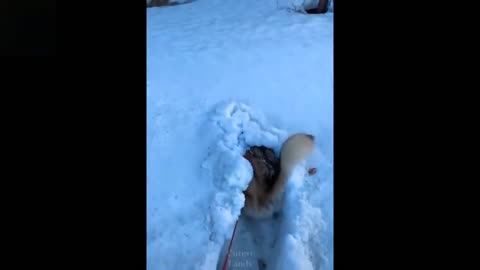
x,y
223,75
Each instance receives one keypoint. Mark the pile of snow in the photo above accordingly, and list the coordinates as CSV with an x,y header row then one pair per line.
x,y
223,76
232,128
237,127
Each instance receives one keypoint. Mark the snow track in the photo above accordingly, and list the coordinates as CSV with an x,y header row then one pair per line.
x,y
266,243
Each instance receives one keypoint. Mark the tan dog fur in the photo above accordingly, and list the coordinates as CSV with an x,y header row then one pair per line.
x,y
264,193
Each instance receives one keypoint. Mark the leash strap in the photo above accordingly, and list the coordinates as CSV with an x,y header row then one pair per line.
x,y
229,247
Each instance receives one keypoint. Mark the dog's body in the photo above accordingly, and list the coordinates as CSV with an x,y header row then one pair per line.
x,y
264,193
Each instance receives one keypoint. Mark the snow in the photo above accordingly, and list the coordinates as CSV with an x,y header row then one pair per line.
x,y
222,76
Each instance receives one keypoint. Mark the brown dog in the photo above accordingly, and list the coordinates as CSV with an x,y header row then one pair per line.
x,y
264,193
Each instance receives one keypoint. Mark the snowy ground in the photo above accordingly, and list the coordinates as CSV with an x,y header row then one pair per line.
x,y
223,75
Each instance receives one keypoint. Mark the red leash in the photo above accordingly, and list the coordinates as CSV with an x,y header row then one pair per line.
x,y
229,247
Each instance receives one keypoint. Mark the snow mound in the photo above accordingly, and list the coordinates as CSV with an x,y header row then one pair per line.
x,y
233,127
237,127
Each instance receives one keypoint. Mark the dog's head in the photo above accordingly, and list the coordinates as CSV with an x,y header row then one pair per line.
x,y
266,165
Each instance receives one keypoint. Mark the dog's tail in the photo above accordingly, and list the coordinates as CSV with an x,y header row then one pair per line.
x,y
294,150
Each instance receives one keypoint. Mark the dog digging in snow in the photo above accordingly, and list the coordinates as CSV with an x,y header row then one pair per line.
x,y
264,193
